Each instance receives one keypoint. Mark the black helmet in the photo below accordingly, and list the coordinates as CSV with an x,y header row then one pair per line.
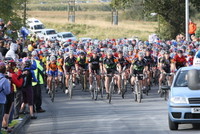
x,y
191,53
180,51
27,63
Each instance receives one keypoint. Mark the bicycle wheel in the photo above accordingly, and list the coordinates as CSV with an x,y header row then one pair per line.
x,y
135,92
166,95
139,94
95,90
123,88
82,81
53,91
102,87
70,88
110,91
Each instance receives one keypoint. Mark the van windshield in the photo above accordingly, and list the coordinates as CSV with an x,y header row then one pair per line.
x,y
51,32
181,79
67,35
36,27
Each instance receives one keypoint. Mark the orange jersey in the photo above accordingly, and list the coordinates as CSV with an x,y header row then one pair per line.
x,y
60,64
52,66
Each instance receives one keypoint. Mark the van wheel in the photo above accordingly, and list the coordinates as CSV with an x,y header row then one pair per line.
x,y
172,125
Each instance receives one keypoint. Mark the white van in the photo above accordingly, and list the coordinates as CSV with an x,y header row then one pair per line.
x,y
34,25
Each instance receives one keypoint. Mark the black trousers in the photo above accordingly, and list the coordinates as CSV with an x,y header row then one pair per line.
x,y
18,102
37,97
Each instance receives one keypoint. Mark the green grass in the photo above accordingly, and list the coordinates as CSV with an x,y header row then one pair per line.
x,y
83,30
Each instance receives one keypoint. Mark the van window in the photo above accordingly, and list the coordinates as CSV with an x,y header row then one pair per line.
x,y
51,32
67,35
39,27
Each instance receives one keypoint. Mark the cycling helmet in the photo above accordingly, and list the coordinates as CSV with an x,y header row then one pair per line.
x,y
27,63
180,51
34,53
191,53
167,52
141,54
52,58
71,52
82,53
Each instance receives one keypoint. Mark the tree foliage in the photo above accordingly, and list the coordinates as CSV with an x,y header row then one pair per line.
x,y
170,12
11,10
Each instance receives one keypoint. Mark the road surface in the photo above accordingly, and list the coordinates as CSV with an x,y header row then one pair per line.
x,y
81,115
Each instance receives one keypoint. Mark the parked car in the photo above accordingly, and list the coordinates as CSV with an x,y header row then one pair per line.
x,y
183,103
35,25
65,36
48,34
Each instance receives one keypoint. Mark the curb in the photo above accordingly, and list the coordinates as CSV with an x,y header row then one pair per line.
x,y
20,125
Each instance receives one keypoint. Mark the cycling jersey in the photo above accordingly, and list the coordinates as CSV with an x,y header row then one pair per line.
x,y
95,63
149,61
123,62
82,62
138,65
70,61
166,64
110,63
180,61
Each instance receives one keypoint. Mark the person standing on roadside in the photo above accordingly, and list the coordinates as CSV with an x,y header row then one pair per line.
x,y
3,27
192,28
4,90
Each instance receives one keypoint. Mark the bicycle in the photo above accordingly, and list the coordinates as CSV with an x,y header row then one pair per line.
x,y
123,83
102,85
94,92
165,86
52,90
111,87
137,89
83,80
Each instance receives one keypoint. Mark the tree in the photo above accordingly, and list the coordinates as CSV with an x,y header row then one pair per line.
x,y
171,14
11,10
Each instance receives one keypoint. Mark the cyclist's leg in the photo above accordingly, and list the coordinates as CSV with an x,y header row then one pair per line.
x,y
90,80
162,76
118,79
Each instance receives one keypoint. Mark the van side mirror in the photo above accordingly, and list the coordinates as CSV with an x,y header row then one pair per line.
x,y
193,79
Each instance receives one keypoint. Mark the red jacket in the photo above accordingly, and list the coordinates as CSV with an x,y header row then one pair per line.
x,y
15,78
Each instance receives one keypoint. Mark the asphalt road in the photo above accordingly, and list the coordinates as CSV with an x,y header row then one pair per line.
x,y
81,115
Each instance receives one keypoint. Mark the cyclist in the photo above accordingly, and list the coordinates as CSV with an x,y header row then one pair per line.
x,y
52,71
82,65
165,67
179,59
69,66
94,67
138,67
60,61
150,63
122,65
109,67
190,58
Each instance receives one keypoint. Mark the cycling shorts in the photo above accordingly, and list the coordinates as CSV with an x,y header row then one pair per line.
x,y
69,68
138,74
60,73
53,73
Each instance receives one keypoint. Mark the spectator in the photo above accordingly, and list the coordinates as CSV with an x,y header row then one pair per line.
x,y
27,88
3,49
3,27
4,90
15,83
37,85
12,52
192,28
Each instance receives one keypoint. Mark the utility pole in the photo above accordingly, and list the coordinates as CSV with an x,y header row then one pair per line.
x,y
71,10
24,14
114,16
187,19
